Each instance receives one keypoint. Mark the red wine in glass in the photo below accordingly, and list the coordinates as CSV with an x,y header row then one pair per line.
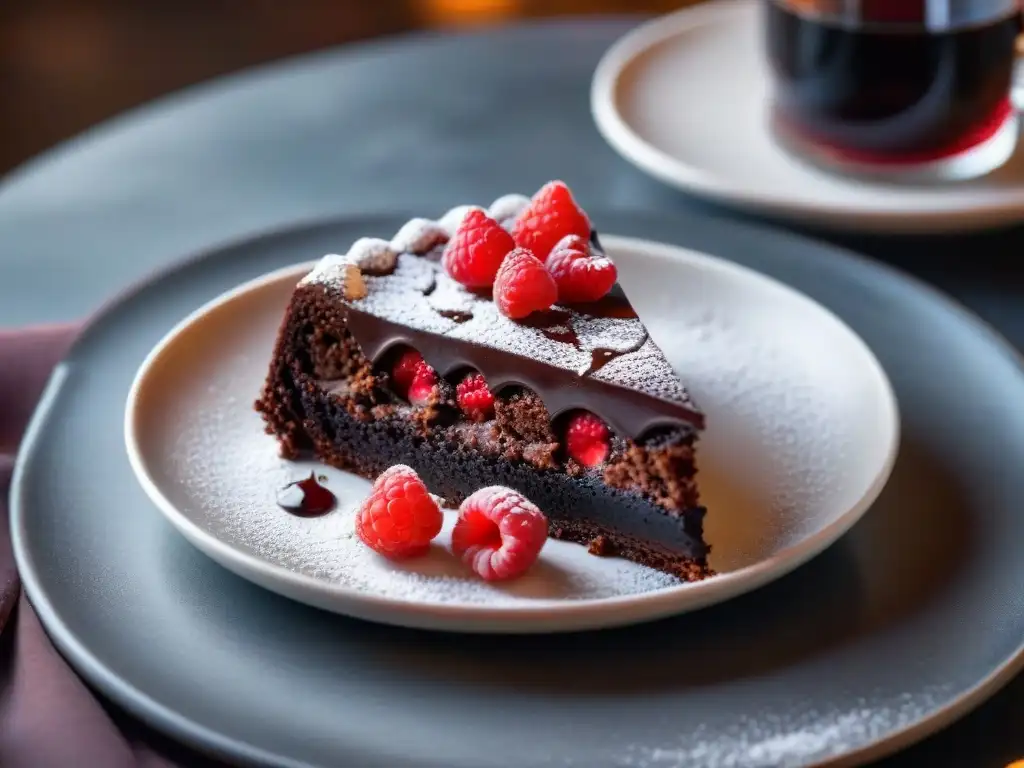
x,y
893,82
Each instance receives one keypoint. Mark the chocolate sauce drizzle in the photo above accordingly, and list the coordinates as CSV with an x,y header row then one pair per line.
x,y
306,498
614,305
555,324
601,356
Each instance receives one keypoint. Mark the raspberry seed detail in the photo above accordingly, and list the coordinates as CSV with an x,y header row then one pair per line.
x,y
475,398
399,518
551,215
580,275
413,378
523,286
587,439
476,250
404,371
424,383
499,533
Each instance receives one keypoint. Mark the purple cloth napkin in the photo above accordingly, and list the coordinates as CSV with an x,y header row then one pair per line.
x,y
48,717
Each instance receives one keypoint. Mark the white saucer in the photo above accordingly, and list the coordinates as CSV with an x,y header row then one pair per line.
x,y
803,432
685,98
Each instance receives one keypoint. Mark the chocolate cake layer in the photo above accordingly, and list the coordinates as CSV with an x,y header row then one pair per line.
x,y
582,508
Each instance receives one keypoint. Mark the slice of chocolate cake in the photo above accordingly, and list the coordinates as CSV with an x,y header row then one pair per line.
x,y
379,361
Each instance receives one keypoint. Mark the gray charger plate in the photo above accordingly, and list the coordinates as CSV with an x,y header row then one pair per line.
x,y
905,624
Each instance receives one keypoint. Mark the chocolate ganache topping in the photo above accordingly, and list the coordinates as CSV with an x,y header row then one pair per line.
x,y
597,356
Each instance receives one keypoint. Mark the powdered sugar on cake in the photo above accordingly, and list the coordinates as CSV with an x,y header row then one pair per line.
x,y
373,255
417,292
507,207
417,236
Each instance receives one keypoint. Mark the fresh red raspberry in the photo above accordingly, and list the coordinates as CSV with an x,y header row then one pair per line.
x,y
587,439
399,518
412,378
475,398
476,250
499,533
551,215
404,371
579,275
570,243
523,285
424,381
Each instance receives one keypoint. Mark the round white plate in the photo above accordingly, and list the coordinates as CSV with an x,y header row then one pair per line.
x,y
686,97
802,434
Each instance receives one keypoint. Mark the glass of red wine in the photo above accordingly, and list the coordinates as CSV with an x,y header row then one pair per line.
x,y
895,86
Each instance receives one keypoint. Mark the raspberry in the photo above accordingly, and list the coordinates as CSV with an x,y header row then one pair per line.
x,y
404,371
579,275
570,243
587,439
424,381
475,399
551,215
476,250
412,378
523,285
499,533
399,518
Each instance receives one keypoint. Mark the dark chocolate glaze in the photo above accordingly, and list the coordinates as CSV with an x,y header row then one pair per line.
x,y
633,398
601,356
555,324
615,304
629,411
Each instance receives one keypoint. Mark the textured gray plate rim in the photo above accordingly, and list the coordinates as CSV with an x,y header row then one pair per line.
x,y
195,733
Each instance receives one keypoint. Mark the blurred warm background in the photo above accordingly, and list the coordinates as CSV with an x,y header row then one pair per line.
x,y
67,64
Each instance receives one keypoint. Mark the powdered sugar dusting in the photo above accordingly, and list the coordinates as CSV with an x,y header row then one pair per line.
x,y
373,254
797,375
450,221
507,207
417,236
773,741
344,273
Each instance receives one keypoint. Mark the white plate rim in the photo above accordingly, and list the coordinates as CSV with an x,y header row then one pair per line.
x,y
548,617
958,214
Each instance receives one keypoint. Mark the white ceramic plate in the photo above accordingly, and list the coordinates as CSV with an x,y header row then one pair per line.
x,y
802,434
685,98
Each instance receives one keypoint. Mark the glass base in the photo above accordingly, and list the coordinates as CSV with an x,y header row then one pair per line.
x,y
970,163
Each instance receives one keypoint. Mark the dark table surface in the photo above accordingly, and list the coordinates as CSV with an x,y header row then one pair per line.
x,y
411,124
